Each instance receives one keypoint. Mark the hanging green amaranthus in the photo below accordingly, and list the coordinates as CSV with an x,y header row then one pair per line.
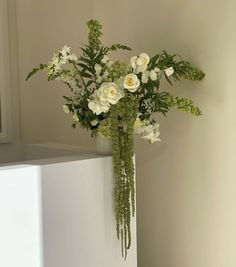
x,y
122,121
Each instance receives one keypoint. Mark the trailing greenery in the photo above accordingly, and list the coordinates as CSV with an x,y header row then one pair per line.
x,y
117,99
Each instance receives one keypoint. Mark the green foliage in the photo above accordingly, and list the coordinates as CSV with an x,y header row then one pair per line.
x,y
35,70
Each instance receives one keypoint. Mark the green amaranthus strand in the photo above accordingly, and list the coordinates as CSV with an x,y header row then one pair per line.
x,y
122,134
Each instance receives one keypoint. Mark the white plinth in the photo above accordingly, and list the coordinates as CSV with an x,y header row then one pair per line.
x,y
59,213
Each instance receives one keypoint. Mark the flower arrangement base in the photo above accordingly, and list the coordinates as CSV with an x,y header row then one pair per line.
x,y
103,145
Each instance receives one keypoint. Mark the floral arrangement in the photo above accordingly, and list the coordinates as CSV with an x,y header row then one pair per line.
x,y
116,99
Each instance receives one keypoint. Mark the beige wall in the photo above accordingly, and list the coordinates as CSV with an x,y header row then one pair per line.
x,y
45,27
186,184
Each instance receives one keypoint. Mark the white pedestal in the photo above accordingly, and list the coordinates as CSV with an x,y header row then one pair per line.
x,y
59,213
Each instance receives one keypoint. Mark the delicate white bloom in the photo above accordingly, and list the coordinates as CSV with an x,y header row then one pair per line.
x,y
105,59
137,124
94,122
153,75
99,79
98,69
75,118
72,57
65,50
131,82
157,70
65,109
105,74
148,131
169,71
140,63
97,106
145,76
110,92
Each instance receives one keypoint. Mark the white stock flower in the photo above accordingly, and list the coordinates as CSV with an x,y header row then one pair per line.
x,y
65,50
65,109
110,92
169,71
153,75
145,76
105,59
98,69
75,118
94,122
140,63
131,82
72,57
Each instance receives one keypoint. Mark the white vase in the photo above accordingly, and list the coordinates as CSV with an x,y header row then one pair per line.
x,y
103,145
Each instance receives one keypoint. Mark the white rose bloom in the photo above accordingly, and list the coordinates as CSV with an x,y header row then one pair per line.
x,y
153,75
110,92
98,69
169,71
140,63
97,106
145,76
65,109
131,82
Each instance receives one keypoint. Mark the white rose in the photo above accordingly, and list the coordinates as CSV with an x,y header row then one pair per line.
x,y
97,107
169,71
140,63
110,92
153,75
145,76
131,82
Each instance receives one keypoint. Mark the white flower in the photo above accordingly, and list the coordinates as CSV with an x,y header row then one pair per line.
x,y
105,74
148,131
131,82
157,70
98,69
145,76
99,79
140,63
72,57
97,106
65,109
151,133
94,122
109,63
75,118
169,71
153,75
137,124
105,59
110,92
65,50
